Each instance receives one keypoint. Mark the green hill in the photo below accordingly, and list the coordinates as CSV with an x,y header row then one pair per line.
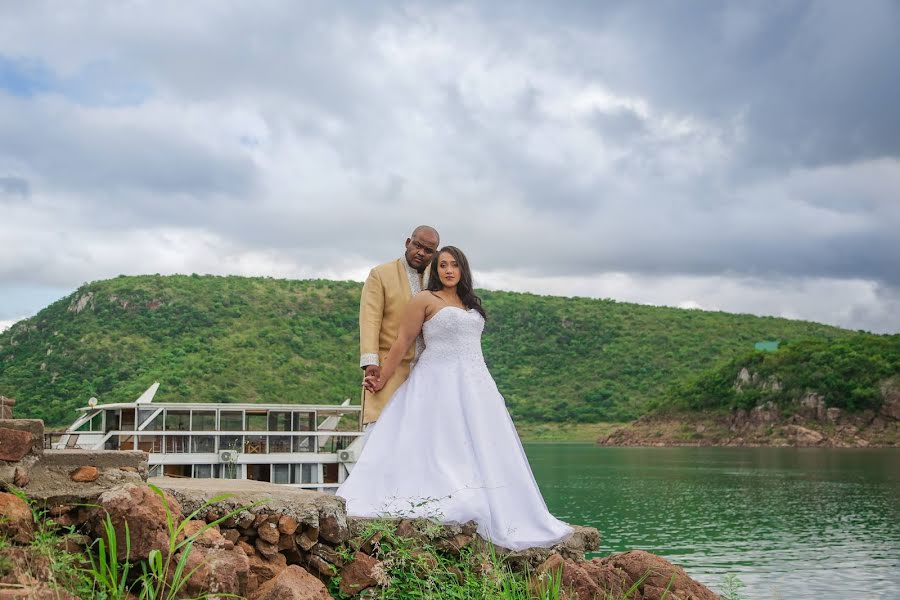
x,y
235,339
850,373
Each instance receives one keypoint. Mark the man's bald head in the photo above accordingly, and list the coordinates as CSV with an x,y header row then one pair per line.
x,y
421,246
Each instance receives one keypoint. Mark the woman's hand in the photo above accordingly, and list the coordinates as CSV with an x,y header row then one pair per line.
x,y
373,384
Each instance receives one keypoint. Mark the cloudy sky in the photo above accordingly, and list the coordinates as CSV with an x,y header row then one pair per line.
x,y
739,156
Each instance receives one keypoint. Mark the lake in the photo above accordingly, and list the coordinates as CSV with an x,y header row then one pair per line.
x,y
789,523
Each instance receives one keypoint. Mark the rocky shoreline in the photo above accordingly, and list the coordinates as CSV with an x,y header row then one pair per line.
x,y
809,423
265,541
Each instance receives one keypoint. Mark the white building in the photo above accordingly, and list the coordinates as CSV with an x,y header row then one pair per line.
x,y
302,445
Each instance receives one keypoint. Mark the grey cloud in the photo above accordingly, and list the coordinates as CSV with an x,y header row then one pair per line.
x,y
14,188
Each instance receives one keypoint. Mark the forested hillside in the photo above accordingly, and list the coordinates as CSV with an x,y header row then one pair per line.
x,y
235,339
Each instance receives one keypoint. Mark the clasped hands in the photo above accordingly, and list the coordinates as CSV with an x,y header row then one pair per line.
x,y
372,380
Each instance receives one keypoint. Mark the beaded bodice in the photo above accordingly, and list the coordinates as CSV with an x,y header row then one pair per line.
x,y
453,334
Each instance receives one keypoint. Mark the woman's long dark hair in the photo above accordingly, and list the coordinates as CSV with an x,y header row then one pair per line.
x,y
464,287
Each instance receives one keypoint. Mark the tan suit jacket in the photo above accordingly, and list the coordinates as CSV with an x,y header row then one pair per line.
x,y
384,299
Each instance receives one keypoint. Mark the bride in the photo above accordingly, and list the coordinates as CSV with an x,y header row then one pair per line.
x,y
445,447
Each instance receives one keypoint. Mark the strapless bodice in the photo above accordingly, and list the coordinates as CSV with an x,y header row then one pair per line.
x,y
453,334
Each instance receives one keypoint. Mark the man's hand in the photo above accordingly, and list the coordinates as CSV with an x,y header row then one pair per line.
x,y
373,384
373,371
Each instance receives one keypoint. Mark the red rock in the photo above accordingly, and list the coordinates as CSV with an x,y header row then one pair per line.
x,y
359,574
216,571
14,444
210,538
268,532
267,549
263,569
333,528
145,514
17,522
294,583
84,474
287,524
308,538
637,563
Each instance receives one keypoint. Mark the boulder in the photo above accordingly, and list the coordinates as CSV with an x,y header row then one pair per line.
x,y
210,538
145,514
287,524
293,583
216,571
333,527
262,569
84,474
362,573
16,430
17,522
14,444
802,436
579,580
661,580
268,532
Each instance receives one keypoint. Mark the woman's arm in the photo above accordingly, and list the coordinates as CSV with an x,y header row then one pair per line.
x,y
410,327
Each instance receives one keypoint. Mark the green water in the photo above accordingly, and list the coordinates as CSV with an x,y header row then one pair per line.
x,y
790,523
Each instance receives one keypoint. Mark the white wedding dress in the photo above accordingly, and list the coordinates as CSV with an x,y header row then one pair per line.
x,y
445,447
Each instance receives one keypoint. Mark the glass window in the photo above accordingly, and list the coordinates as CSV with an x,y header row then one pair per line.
x,y
155,471
304,443
280,443
281,474
203,420
155,425
304,473
176,444
304,421
231,420
203,471
203,443
231,442
229,471
255,444
178,420
279,420
257,421
150,443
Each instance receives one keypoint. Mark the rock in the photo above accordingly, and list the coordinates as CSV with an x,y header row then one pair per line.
x,y
321,566
660,575
286,542
833,414
802,436
231,535
359,574
20,478
17,522
268,532
814,405
216,571
294,583
263,569
84,474
575,579
146,516
210,538
287,524
267,549
14,444
333,527
455,543
308,538
328,553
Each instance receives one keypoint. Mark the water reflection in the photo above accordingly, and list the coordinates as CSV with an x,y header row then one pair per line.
x,y
790,523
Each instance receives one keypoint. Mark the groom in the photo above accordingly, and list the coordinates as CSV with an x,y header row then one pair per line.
x,y
384,296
